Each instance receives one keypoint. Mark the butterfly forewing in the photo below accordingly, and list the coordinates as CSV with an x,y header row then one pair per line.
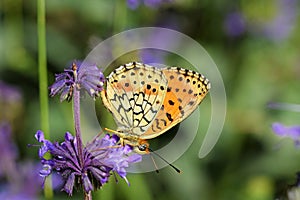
x,y
185,91
134,95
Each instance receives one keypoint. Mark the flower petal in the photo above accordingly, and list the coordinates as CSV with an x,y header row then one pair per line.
x,y
46,171
289,131
87,185
40,136
70,184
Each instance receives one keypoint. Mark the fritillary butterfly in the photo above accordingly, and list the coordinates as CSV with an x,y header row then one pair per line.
x,y
146,101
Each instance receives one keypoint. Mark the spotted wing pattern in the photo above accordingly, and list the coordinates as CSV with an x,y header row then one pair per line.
x,y
186,89
134,94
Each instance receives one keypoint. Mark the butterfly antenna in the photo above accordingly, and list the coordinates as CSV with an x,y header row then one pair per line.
x,y
98,135
112,131
156,168
171,165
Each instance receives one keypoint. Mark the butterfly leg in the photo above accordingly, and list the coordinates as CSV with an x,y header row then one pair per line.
x,y
122,142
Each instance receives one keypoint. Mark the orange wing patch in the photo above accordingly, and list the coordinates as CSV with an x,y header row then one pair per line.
x,y
186,90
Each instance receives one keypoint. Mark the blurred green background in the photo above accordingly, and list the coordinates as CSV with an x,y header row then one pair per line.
x,y
255,45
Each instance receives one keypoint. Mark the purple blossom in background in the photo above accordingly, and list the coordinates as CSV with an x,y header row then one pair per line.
x,y
87,78
280,25
149,56
162,40
134,4
234,24
283,23
153,3
27,184
9,93
8,150
100,160
17,175
287,131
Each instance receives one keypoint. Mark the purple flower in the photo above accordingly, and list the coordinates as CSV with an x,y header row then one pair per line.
x,y
89,78
149,56
16,174
100,157
275,27
288,131
234,24
8,151
159,39
24,184
155,3
134,4
9,93
282,24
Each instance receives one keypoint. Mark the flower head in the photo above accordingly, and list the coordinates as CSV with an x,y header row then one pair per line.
x,y
283,23
14,175
8,151
9,93
134,4
288,131
89,78
100,157
234,24
274,20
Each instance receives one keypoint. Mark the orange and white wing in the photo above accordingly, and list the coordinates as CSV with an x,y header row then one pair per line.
x,y
134,95
186,90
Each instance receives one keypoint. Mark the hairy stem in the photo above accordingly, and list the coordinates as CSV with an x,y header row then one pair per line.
x,y
76,110
88,196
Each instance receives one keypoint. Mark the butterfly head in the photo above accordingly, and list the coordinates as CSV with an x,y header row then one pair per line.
x,y
142,147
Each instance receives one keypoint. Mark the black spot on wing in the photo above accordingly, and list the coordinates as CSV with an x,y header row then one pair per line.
x,y
171,102
169,116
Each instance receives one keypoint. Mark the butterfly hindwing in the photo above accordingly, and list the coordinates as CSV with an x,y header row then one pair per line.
x,y
186,89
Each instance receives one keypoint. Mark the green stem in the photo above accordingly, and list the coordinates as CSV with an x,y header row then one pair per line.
x,y
119,23
120,15
43,80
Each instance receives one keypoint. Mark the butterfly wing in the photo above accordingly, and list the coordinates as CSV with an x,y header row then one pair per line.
x,y
186,90
134,95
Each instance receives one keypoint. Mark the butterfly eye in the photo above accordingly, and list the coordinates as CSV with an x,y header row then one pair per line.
x,y
143,147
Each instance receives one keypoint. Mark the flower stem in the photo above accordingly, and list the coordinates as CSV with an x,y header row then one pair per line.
x,y
120,16
43,81
76,111
88,196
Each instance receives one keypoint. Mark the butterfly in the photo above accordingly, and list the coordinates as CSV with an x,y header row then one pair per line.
x,y
146,101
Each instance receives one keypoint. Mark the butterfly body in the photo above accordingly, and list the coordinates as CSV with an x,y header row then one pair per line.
x,y
146,101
